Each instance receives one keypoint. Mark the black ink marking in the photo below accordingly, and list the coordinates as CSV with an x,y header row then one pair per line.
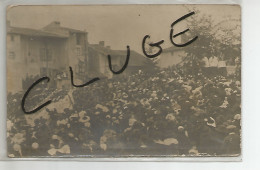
x,y
174,36
82,85
152,45
27,92
125,65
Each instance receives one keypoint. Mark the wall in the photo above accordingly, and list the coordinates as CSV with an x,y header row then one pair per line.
x,y
169,59
15,64
27,61
76,52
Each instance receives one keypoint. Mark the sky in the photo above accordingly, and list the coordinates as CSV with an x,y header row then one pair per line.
x,y
118,25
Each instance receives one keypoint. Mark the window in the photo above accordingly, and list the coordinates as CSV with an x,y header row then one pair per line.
x,y
78,39
45,54
78,51
12,55
49,54
42,54
81,67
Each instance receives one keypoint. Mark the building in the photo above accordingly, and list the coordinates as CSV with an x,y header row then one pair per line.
x,y
171,56
50,51
45,52
98,57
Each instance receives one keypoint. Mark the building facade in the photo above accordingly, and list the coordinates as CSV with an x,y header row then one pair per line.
x,y
45,52
171,56
50,51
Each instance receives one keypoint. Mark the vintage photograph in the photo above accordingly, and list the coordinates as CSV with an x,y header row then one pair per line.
x,y
105,81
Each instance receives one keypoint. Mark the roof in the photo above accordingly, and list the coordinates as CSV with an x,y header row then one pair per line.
x,y
100,49
72,30
34,32
136,59
172,49
52,30
56,27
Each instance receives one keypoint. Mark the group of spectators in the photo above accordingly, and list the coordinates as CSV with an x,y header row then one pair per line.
x,y
167,113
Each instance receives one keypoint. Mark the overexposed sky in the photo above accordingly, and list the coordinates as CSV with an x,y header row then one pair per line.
x,y
118,25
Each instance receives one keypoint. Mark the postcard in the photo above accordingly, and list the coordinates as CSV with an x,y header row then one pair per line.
x,y
106,81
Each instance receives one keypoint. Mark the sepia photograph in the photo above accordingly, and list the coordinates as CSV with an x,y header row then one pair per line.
x,y
121,81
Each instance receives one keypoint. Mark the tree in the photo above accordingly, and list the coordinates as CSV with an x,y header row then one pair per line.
x,y
214,39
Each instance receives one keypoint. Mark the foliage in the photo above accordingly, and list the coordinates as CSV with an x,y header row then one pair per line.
x,y
221,39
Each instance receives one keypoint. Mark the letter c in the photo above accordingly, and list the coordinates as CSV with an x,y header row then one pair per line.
x,y
27,92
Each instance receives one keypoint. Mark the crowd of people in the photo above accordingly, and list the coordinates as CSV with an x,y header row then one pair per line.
x,y
167,113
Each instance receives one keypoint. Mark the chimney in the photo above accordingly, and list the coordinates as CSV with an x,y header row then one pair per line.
x,y
54,24
57,23
102,43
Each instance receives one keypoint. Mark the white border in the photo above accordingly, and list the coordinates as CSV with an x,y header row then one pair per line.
x,y
250,93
